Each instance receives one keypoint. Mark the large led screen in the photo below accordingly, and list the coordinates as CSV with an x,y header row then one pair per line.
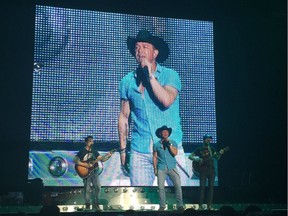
x,y
80,57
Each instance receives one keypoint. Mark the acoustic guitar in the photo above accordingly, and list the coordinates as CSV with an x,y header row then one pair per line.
x,y
206,162
84,172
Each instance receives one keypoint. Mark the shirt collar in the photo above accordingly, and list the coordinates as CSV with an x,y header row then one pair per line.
x,y
159,69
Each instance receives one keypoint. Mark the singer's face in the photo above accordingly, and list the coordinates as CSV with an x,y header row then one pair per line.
x,y
145,53
165,134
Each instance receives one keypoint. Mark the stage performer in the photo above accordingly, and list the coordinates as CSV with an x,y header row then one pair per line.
x,y
149,98
164,163
203,163
87,159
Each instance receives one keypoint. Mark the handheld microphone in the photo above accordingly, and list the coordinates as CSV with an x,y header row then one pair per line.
x,y
142,74
145,72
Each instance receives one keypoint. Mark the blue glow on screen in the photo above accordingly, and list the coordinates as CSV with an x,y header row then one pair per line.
x,y
80,57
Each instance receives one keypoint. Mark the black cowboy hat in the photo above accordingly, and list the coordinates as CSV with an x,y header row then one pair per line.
x,y
157,42
159,130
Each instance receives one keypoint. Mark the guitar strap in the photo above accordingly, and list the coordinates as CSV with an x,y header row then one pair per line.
x,y
185,172
210,151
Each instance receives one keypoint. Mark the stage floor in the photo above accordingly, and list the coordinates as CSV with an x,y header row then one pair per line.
x,y
140,210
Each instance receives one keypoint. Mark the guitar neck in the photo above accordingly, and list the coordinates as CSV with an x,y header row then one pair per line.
x,y
104,157
223,149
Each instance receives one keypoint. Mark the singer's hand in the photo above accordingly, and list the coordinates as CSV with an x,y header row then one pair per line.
x,y
145,63
155,171
146,73
123,158
166,143
125,170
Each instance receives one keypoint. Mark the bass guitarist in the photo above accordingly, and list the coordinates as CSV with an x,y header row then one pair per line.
x,y
87,158
203,163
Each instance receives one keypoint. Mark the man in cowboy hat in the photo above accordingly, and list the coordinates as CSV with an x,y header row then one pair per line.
x,y
203,163
164,163
150,96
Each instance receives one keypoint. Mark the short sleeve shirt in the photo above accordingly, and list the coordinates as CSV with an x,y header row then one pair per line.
x,y
146,114
85,155
165,159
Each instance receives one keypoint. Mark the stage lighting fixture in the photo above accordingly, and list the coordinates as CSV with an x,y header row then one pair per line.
x,y
134,190
65,208
57,166
142,190
142,207
106,190
115,190
125,190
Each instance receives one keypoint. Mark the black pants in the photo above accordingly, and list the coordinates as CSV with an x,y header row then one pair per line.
x,y
208,173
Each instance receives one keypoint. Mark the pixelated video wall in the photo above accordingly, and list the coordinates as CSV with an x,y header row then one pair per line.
x,y
80,56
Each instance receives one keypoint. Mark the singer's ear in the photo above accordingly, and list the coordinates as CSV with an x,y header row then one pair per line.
x,y
155,54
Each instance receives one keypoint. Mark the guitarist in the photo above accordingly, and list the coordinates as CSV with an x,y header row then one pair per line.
x,y
203,162
87,154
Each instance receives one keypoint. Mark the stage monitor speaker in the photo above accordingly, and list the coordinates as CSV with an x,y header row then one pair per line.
x,y
33,193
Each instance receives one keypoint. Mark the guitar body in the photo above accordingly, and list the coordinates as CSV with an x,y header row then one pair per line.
x,y
84,172
201,166
196,166
207,163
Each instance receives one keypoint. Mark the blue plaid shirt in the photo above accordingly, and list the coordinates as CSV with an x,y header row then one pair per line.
x,y
146,115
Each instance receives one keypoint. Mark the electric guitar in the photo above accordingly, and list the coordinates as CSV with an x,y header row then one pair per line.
x,y
84,172
197,165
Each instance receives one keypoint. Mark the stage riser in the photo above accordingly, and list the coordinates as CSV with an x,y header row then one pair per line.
x,y
137,207
118,196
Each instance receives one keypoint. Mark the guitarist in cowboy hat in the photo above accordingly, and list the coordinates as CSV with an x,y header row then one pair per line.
x,y
203,163
81,159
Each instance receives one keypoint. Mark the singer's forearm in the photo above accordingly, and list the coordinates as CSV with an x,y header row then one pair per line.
x,y
173,150
123,126
122,131
166,95
155,160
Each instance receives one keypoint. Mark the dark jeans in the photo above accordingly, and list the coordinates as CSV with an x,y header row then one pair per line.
x,y
96,188
209,174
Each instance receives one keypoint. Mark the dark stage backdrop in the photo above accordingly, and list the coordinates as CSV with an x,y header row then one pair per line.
x,y
250,53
